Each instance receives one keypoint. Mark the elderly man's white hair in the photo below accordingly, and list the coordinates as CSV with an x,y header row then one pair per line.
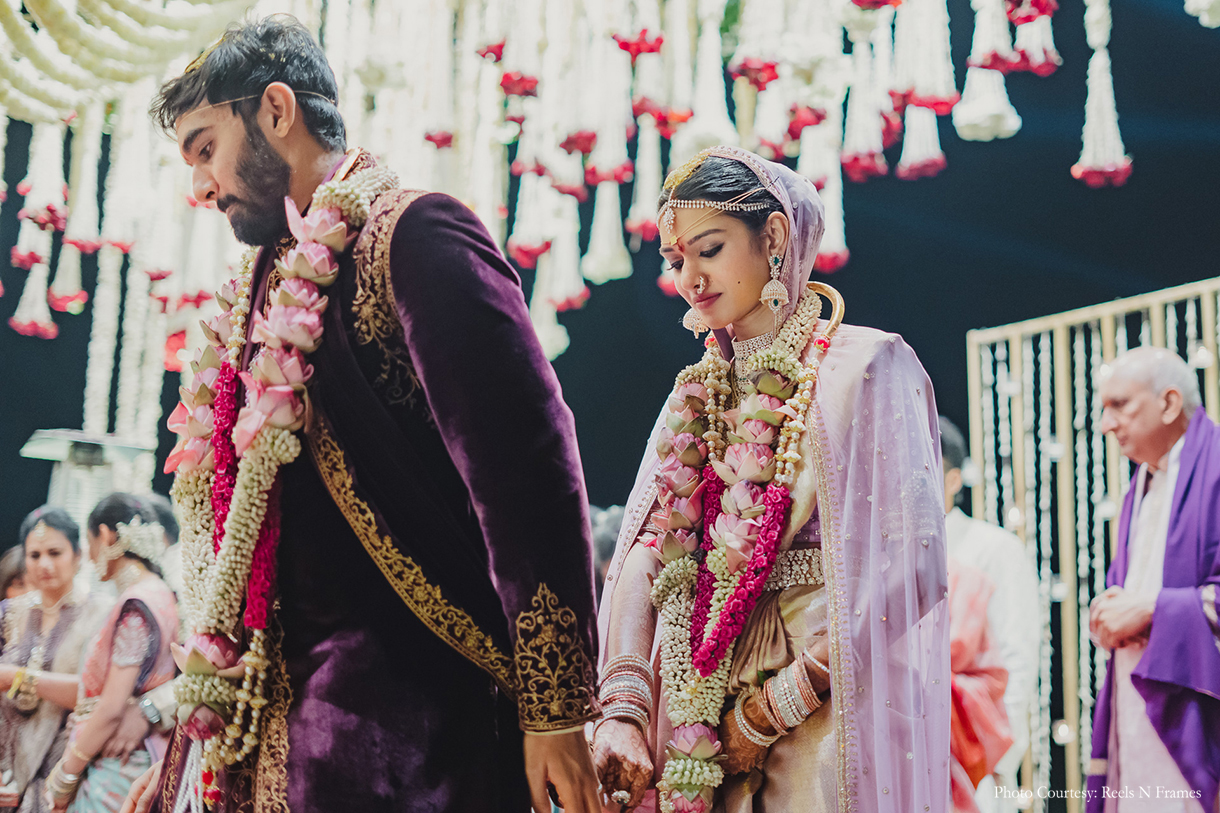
x,y
1160,370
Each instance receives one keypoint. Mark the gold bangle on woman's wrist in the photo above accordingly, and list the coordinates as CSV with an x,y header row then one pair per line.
x,y
76,752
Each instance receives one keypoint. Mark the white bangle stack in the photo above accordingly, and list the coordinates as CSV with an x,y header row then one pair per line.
x,y
751,733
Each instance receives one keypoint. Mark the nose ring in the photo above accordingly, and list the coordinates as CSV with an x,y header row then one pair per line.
x,y
700,285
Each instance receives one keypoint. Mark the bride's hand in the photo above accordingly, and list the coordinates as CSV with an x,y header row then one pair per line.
x,y
623,761
741,755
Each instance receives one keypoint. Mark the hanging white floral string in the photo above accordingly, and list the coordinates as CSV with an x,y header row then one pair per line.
x,y
755,68
1035,46
819,161
42,214
607,257
882,41
649,101
1208,12
642,216
921,153
935,86
678,58
1103,160
80,233
22,81
710,124
984,112
862,156
487,165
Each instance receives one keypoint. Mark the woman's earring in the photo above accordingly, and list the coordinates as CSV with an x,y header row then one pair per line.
x,y
693,321
775,293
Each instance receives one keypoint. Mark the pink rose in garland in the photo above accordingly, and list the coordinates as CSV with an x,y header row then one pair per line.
x,y
683,515
312,262
278,366
691,395
299,293
744,499
678,479
190,454
738,537
690,450
217,329
286,325
746,461
696,741
323,226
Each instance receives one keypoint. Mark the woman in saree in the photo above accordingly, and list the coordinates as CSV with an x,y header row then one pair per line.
x,y
42,635
774,623
129,655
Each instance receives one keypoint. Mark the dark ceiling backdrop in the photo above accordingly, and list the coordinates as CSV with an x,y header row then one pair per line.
x,y
1003,234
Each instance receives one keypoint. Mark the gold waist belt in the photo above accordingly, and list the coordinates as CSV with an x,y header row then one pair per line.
x,y
794,567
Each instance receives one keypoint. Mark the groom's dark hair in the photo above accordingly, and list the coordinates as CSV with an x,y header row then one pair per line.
x,y
238,68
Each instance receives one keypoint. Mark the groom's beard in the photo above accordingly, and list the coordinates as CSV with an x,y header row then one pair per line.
x,y
258,217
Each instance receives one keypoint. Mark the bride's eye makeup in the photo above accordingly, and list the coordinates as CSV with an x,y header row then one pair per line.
x,y
711,252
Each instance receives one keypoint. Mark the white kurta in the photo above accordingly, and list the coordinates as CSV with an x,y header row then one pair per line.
x,y
1142,772
1013,617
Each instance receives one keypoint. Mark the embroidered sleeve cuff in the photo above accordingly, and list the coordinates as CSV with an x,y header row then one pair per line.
x,y
555,675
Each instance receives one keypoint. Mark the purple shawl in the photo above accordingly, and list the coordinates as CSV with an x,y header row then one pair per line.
x,y
1179,673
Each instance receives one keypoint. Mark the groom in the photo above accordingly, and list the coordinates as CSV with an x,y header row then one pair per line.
x,y
435,586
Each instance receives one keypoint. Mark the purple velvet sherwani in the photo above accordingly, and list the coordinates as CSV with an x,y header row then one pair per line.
x,y
1179,673
435,567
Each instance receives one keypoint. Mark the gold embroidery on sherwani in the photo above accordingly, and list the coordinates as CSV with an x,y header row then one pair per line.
x,y
169,789
452,624
554,672
374,307
271,774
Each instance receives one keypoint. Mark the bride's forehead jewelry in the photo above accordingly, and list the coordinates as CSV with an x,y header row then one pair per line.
x,y
668,212
40,530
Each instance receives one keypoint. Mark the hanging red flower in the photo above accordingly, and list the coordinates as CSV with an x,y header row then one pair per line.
x,y
441,139
801,116
756,71
158,274
195,300
771,149
174,342
641,44
938,104
581,141
643,106
861,166
828,262
1108,175
24,260
875,4
645,228
1026,11
124,246
669,119
68,303
39,330
515,83
51,217
572,303
526,254
85,247
161,300
928,168
494,52
891,128
623,173
576,190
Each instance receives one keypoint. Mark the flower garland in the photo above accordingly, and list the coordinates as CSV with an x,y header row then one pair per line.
x,y
723,497
227,463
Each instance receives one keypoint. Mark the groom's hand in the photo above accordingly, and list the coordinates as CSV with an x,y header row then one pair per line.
x,y
563,760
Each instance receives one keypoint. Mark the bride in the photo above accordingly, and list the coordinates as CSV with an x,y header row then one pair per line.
x,y
774,622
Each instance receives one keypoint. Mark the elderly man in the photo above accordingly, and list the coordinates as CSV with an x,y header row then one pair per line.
x,y
1012,615
1156,728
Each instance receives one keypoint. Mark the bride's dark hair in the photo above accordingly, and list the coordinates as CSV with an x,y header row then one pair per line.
x,y
722,179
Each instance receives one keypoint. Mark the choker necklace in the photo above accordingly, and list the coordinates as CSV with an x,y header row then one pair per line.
x,y
742,351
127,575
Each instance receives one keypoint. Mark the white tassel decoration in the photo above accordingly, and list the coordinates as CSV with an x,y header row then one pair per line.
x,y
882,41
44,205
568,290
819,161
642,216
1208,12
935,85
984,112
921,153
1035,47
862,156
710,125
1103,160
80,235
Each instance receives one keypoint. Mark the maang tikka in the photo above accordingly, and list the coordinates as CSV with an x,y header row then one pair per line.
x,y
775,293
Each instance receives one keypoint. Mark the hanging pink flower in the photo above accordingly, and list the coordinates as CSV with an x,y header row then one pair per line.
x,y
746,461
277,366
226,297
196,423
190,454
324,226
286,325
494,52
684,514
217,330
753,431
762,407
802,116
679,479
280,404
737,536
745,499
691,395
310,261
249,423
697,741
202,723
582,141
202,389
206,357
300,293
671,545
690,450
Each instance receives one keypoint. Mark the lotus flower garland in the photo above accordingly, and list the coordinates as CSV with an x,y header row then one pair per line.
x,y
227,464
722,505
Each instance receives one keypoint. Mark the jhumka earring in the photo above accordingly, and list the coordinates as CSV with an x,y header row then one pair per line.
x,y
693,321
775,293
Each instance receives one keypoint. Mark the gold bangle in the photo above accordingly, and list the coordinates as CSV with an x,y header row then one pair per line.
x,y
76,752
18,679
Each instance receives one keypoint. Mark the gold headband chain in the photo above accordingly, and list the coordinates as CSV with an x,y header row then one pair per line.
x,y
669,210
